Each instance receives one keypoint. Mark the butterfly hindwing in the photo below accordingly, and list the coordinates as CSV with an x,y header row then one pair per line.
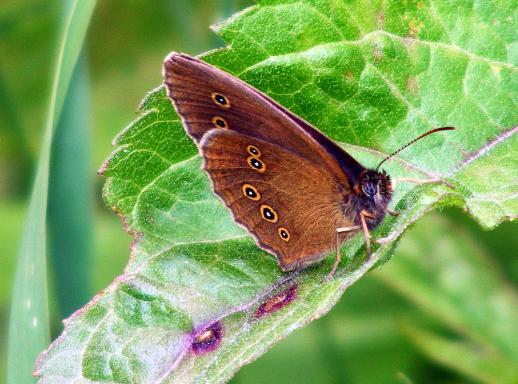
x,y
293,217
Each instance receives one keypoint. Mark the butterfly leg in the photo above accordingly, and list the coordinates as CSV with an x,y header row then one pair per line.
x,y
421,181
393,213
339,231
366,232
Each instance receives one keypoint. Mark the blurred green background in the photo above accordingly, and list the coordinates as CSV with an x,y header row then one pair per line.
x,y
403,323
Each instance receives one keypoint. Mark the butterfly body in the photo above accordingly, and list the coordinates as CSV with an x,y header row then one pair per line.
x,y
283,180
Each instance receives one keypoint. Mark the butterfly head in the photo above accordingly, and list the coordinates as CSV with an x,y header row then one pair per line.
x,y
373,192
375,186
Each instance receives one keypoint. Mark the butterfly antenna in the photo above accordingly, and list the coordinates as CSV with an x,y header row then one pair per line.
x,y
413,141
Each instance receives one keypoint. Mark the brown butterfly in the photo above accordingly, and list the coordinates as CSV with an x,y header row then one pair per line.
x,y
296,191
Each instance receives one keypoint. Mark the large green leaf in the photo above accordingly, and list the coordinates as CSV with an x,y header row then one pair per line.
x,y
372,75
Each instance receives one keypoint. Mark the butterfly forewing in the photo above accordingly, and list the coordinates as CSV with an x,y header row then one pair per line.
x,y
207,98
293,217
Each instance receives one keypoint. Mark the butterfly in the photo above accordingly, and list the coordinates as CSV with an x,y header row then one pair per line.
x,y
297,192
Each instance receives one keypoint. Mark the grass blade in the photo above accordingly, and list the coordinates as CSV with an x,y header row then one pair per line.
x,y
469,358
70,205
28,327
227,7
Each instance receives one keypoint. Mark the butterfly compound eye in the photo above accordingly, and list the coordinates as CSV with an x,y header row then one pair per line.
x,y
370,188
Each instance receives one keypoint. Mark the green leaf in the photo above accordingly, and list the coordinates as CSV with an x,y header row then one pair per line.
x,y
403,379
370,75
467,357
29,323
451,279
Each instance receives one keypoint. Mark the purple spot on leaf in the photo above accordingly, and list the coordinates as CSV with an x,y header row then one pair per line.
x,y
276,302
207,339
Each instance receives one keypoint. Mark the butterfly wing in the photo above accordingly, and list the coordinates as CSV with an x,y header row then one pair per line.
x,y
207,98
289,204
